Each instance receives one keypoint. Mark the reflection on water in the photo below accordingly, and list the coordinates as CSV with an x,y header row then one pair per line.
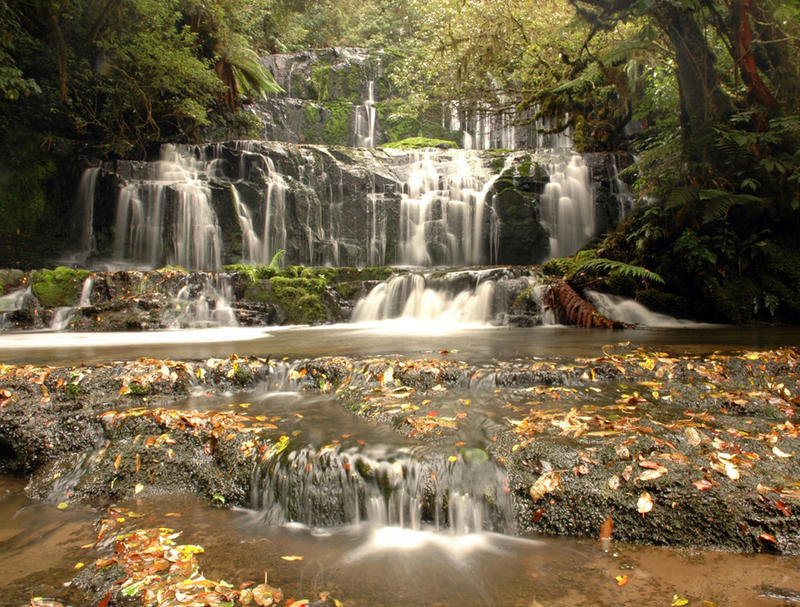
x,y
378,338
368,566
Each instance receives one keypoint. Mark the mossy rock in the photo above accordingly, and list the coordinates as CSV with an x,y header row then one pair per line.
x,y
59,287
338,116
350,289
11,279
416,143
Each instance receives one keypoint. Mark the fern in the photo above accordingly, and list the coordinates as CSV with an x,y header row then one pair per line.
x,y
717,203
682,197
603,265
277,260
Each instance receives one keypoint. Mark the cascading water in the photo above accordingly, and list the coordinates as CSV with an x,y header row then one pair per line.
x,y
85,205
167,217
203,304
336,485
442,211
443,303
567,210
365,119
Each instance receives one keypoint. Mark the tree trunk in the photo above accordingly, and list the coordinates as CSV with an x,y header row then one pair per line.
x,y
702,100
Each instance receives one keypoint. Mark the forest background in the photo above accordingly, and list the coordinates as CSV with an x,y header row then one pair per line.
x,y
704,95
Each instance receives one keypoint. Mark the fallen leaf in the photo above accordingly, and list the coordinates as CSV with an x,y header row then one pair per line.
x,y
62,505
138,488
622,580
702,485
614,482
650,475
292,557
265,596
607,530
645,503
548,482
693,436
780,453
678,601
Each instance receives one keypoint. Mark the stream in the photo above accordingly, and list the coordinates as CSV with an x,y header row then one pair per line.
x,y
377,550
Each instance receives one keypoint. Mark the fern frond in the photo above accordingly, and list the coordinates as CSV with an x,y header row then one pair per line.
x,y
682,196
601,264
717,203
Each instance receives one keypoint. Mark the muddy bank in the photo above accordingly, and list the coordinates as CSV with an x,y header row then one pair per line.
x,y
675,451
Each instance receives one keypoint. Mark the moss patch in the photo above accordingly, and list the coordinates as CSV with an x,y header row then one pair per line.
x,y
336,122
421,142
59,287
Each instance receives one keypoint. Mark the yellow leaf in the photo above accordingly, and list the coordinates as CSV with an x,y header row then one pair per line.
x,y
780,453
62,505
292,557
622,580
452,459
78,565
678,601
138,488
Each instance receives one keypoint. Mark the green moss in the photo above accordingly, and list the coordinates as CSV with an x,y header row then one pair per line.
x,y
376,272
336,122
350,289
525,168
421,142
72,391
320,81
242,374
59,287
139,389
11,279
299,298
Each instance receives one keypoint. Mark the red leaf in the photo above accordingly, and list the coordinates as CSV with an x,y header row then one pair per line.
x,y
768,538
104,601
537,516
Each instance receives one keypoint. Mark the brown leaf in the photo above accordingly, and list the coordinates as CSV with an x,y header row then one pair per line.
x,y
702,485
265,595
606,529
548,482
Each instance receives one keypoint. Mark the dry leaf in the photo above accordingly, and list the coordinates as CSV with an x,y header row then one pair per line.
x,y
546,483
645,503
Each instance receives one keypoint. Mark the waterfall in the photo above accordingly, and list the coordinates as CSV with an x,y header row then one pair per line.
x,y
274,215
335,485
411,298
203,303
442,211
251,243
365,118
85,205
567,210
632,312
167,217
86,293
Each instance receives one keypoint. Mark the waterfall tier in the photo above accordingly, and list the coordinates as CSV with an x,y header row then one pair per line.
x,y
201,207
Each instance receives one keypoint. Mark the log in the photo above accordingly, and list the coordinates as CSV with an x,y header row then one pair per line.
x,y
573,309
